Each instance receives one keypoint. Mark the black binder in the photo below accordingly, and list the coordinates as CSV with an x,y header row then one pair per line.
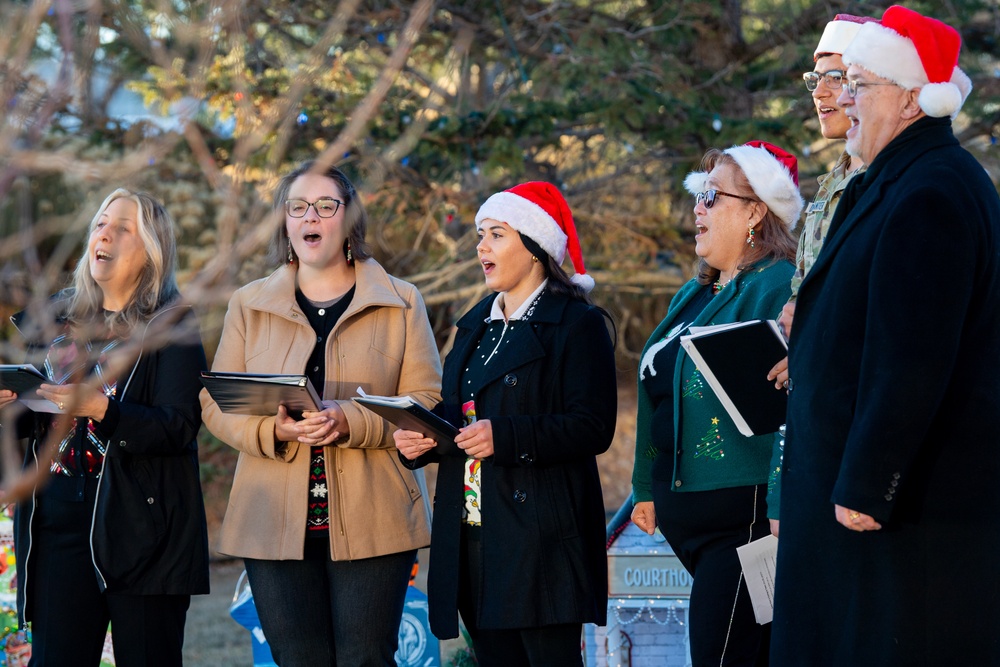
x,y
409,415
735,359
261,393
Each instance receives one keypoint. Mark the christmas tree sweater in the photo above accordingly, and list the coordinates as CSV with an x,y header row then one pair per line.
x,y
709,452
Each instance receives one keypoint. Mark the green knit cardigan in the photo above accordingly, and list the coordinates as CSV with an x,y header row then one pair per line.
x,y
715,454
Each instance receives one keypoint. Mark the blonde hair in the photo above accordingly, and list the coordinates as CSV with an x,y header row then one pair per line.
x,y
157,282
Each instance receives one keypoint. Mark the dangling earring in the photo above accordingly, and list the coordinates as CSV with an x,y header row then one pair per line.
x,y
291,258
347,252
750,235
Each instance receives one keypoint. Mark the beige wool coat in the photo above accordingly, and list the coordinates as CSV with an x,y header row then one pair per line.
x,y
384,344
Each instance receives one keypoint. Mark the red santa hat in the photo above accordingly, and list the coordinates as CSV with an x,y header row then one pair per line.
x,y
838,33
539,211
914,51
773,174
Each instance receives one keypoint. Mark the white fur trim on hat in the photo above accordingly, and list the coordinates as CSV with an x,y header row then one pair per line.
x,y
890,55
836,36
771,182
885,53
964,85
526,217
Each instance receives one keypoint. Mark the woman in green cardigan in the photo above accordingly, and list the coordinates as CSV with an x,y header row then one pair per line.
x,y
695,475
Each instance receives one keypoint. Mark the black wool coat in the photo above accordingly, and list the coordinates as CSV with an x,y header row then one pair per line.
x,y
552,404
895,366
149,534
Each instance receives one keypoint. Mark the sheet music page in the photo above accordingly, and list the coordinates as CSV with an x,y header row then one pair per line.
x,y
758,560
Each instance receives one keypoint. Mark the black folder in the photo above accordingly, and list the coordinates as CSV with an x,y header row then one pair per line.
x,y
735,359
409,415
261,393
24,380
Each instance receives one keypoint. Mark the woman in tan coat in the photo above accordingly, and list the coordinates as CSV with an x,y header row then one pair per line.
x,y
324,514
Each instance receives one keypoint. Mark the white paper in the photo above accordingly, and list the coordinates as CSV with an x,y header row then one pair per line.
x,y
397,401
758,560
40,405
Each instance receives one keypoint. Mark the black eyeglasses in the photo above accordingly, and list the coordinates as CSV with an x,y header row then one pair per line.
x,y
325,207
832,79
708,196
852,85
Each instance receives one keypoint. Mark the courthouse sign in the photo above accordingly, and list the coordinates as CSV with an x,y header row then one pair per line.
x,y
646,575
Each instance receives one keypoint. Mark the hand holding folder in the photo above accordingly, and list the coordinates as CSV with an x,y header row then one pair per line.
x,y
24,380
735,359
409,415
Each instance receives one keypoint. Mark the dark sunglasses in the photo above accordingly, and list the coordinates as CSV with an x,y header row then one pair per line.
x,y
709,197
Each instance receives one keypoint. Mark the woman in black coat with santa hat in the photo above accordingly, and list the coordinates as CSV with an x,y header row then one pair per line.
x,y
517,546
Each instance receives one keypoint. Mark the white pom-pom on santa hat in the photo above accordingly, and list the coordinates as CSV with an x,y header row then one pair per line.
x,y
539,211
914,51
695,182
940,99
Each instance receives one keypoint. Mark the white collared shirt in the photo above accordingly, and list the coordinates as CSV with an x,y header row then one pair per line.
x,y
496,313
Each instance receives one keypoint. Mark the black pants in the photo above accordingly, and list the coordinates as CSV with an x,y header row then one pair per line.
x,y
704,528
71,615
546,646
319,612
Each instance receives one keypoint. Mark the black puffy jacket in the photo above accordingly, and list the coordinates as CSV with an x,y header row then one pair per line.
x,y
149,533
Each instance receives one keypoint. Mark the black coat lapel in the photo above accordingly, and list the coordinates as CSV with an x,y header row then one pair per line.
x,y
527,348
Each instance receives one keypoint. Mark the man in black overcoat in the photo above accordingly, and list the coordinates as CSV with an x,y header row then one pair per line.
x,y
890,518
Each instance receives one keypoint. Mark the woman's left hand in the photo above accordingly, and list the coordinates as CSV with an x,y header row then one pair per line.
x,y
476,439
76,400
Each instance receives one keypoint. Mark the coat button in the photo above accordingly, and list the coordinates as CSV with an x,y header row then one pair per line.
x,y
888,496
520,496
526,458
678,483
510,379
895,475
121,444
149,500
